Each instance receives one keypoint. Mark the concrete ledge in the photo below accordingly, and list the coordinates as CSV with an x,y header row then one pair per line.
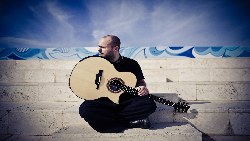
x,y
199,74
34,123
22,93
210,117
186,91
204,90
223,91
54,92
31,76
218,117
226,138
41,118
164,132
206,63
227,69
44,64
30,92
159,132
36,106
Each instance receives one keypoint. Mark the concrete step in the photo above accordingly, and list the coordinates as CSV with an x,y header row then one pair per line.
x,y
54,120
37,64
211,117
155,70
60,92
225,138
33,118
198,74
30,92
44,118
158,75
156,63
204,90
207,63
200,70
159,132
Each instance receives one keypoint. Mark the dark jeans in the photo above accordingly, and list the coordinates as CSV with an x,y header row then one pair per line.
x,y
105,116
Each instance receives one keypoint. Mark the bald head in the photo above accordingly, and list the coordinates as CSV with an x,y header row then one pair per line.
x,y
113,40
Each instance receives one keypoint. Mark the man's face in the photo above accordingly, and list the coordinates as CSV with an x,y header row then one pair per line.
x,y
105,49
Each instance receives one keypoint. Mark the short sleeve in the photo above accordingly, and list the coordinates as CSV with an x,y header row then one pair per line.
x,y
129,65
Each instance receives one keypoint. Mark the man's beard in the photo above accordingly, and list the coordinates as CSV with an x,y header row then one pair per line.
x,y
108,56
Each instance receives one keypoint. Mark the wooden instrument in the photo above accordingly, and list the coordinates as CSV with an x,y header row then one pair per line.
x,y
95,77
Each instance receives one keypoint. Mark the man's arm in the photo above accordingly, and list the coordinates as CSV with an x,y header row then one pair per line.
x,y
141,87
141,83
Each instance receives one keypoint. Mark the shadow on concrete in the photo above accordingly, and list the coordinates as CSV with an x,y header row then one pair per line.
x,y
178,118
192,115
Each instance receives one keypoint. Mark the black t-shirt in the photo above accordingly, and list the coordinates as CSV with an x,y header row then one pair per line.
x,y
124,64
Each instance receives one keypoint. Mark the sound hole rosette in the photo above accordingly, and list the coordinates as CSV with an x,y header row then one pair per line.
x,y
114,85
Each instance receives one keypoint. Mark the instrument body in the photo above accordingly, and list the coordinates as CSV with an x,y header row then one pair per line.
x,y
83,79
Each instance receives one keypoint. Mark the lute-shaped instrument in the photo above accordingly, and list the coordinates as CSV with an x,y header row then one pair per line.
x,y
95,77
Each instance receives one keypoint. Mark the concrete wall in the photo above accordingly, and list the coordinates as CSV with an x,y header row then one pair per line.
x,y
192,79
36,100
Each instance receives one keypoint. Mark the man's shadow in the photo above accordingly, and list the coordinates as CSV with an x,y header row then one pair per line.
x,y
165,116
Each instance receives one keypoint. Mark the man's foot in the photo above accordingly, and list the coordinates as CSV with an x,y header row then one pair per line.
x,y
142,123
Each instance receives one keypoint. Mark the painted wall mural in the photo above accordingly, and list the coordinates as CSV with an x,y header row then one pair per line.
x,y
131,52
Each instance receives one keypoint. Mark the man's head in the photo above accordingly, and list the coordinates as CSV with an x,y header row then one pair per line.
x,y
109,46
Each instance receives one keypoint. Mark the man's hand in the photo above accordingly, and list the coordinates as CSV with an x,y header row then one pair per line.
x,y
142,90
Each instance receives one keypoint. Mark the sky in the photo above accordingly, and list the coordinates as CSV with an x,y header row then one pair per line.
x,y
81,23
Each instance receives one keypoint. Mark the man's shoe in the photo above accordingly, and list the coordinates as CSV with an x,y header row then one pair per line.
x,y
142,123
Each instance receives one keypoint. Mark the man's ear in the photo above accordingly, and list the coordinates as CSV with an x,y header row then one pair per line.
x,y
116,48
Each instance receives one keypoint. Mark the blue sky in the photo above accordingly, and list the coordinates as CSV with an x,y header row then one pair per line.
x,y
80,23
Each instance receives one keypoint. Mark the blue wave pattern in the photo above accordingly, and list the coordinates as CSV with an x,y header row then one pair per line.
x,y
131,52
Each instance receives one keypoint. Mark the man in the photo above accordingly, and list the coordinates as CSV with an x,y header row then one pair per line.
x,y
132,111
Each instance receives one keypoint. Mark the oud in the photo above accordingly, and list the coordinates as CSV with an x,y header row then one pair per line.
x,y
95,77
